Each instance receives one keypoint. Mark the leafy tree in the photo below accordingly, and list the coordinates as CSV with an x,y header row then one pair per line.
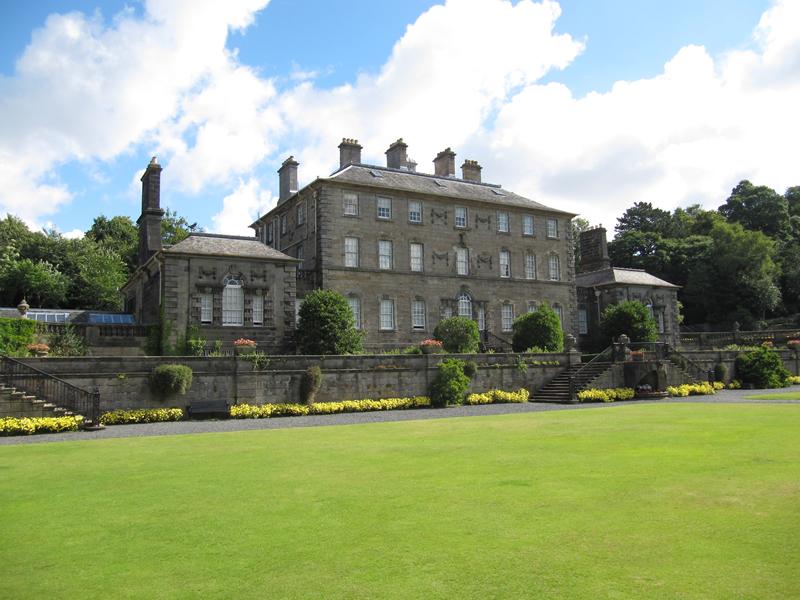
x,y
327,326
643,217
97,274
458,335
736,277
631,318
758,208
792,196
175,228
37,281
540,329
119,234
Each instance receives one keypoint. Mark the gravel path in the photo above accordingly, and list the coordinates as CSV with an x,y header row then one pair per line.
x,y
208,426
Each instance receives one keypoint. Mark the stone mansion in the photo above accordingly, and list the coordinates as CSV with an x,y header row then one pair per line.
x,y
405,248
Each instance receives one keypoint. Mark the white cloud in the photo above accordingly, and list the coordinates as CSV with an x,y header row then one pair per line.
x,y
242,207
688,135
86,90
455,66
74,234
464,75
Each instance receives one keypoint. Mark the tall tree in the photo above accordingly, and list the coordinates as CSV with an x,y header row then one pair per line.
x,y
118,234
758,208
643,217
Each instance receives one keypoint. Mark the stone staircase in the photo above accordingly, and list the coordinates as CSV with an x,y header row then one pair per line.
x,y
557,390
15,403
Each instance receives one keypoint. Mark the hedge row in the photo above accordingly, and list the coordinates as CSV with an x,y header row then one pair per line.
x,y
692,389
143,415
498,396
609,395
31,425
264,411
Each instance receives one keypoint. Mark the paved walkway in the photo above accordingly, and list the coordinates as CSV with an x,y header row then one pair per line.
x,y
208,426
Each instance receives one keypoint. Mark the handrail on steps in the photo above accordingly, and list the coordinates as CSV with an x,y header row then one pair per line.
x,y
51,389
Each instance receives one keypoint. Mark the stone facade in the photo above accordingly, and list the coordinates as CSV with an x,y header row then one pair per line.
x,y
600,285
227,287
408,248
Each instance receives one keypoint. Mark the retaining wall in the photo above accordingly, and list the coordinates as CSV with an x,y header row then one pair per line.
x,y
123,382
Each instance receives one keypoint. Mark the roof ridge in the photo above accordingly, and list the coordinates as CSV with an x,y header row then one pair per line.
x,y
418,173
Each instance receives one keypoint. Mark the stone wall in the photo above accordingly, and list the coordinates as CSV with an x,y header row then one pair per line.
x,y
123,382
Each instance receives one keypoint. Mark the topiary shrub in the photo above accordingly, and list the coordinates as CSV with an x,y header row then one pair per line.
x,y
762,367
720,372
540,329
309,386
166,380
450,383
326,325
459,335
631,318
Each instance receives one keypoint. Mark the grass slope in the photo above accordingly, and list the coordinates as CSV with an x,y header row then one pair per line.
x,y
655,501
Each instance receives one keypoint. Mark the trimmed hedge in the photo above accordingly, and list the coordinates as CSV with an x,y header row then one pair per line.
x,y
608,395
166,380
692,389
266,411
31,425
141,415
498,397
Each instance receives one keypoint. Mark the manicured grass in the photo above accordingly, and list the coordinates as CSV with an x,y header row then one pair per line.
x,y
776,396
637,501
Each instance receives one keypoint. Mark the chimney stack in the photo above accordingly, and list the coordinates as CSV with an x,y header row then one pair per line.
x,y
444,164
349,152
396,157
149,221
287,176
471,171
593,249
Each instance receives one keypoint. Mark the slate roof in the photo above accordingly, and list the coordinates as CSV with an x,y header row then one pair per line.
x,y
211,244
424,183
618,275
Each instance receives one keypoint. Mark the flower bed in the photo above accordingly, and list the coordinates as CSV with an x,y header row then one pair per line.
x,y
692,389
607,395
142,415
498,397
32,425
266,411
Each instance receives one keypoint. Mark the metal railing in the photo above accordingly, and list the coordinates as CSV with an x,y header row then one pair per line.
x,y
606,355
49,388
687,364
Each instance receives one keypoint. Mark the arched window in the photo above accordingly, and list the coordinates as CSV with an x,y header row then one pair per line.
x,y
464,305
232,301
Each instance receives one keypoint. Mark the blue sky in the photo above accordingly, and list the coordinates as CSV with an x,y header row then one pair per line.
x,y
222,96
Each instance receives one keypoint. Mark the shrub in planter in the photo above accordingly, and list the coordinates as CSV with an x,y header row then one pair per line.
x,y
459,335
450,383
312,380
166,380
762,367
540,329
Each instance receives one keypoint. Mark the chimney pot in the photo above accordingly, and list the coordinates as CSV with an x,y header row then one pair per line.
x,y
396,157
349,152
471,171
444,164
287,178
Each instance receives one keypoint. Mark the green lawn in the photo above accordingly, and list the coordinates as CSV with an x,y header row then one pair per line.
x,y
776,396
638,501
